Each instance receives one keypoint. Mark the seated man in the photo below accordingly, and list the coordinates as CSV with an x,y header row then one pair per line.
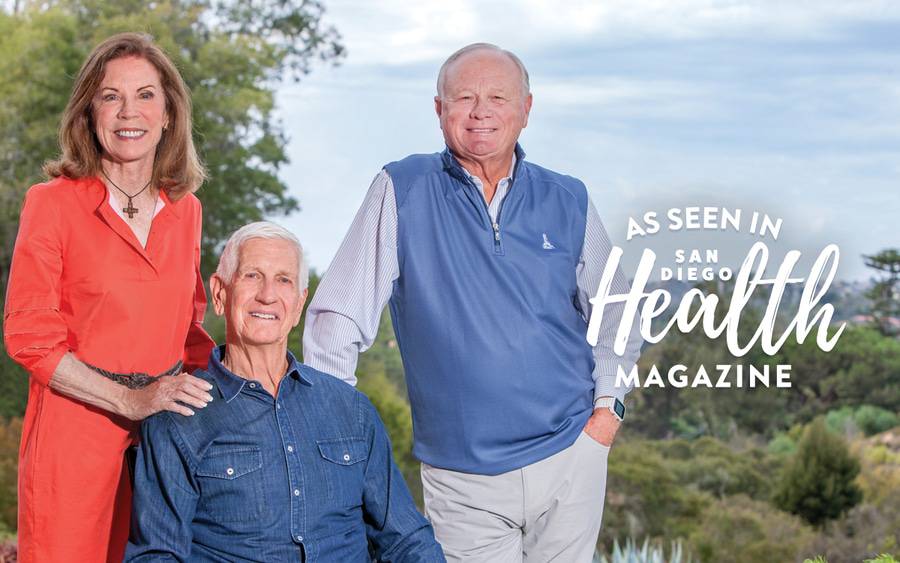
x,y
285,463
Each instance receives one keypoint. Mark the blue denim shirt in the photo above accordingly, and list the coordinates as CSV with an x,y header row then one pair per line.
x,y
306,476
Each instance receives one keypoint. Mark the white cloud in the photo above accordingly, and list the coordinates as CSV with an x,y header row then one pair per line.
x,y
400,31
752,109
627,97
696,19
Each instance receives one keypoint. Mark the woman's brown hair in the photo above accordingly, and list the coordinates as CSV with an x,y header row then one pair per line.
x,y
176,168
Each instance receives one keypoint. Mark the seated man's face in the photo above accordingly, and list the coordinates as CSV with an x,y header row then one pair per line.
x,y
263,301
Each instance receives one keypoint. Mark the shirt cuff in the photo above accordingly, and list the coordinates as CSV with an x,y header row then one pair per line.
x,y
43,370
605,386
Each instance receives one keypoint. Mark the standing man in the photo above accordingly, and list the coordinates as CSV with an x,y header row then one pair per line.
x,y
488,262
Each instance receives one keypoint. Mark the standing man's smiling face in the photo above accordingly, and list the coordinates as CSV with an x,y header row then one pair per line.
x,y
483,107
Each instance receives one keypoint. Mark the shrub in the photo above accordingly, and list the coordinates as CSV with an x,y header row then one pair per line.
x,y
645,497
712,466
10,433
873,527
818,481
782,444
873,420
868,419
739,529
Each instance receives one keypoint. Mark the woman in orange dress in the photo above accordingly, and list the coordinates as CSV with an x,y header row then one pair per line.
x,y
105,298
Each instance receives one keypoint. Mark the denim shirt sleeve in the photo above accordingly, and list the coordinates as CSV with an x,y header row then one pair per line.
x,y
397,531
165,495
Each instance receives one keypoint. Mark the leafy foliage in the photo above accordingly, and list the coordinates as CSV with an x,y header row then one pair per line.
x,y
380,374
885,292
818,481
644,497
873,527
712,466
232,54
867,419
863,361
741,530
864,368
10,431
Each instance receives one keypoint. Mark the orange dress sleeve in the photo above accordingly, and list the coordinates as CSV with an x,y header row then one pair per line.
x,y
34,332
198,344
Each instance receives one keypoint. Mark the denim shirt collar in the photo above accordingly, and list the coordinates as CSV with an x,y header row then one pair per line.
x,y
230,384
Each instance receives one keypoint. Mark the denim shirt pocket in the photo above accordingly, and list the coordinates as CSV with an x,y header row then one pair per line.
x,y
343,470
230,483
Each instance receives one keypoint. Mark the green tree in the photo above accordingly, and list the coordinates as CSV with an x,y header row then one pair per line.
x,y
862,362
232,55
885,292
818,482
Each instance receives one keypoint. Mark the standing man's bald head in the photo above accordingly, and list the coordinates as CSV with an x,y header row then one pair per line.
x,y
442,74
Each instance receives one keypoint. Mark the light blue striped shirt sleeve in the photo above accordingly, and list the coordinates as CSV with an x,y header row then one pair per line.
x,y
594,254
342,319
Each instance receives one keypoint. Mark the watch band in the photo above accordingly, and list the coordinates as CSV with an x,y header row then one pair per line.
x,y
614,405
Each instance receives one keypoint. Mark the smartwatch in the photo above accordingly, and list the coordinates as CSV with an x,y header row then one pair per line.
x,y
614,405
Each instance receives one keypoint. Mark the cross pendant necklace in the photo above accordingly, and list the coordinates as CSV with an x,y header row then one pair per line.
x,y
129,209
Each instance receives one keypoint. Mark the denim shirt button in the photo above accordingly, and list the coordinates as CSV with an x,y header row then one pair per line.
x,y
296,492
252,385
290,449
299,538
230,471
346,457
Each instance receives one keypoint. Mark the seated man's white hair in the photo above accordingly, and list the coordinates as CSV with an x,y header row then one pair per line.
x,y
228,261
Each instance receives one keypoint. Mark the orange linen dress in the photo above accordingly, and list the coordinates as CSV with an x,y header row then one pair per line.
x,y
81,282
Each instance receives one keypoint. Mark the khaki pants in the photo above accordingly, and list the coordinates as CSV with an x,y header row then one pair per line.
x,y
547,511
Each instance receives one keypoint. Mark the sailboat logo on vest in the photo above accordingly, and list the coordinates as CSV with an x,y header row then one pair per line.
x,y
698,310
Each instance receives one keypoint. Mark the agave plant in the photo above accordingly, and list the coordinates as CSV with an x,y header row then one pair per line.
x,y
647,553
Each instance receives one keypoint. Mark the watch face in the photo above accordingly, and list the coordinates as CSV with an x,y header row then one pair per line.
x,y
619,407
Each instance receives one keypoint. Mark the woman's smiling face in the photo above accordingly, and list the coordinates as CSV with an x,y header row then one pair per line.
x,y
130,111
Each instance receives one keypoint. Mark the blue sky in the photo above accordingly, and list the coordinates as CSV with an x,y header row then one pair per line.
x,y
787,108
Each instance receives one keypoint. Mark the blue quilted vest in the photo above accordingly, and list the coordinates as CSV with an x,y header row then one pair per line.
x,y
497,366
